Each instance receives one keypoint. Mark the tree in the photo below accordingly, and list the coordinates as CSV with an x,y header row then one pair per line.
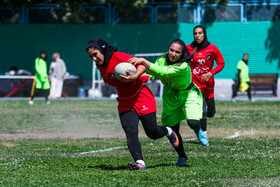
x,y
75,14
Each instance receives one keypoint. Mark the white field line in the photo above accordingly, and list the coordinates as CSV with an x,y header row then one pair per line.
x,y
101,150
235,135
13,163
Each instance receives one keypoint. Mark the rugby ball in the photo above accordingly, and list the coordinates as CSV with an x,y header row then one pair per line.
x,y
122,67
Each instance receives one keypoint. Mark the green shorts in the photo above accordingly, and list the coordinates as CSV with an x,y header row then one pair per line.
x,y
192,103
180,105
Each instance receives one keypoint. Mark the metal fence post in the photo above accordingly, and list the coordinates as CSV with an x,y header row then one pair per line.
x,y
198,12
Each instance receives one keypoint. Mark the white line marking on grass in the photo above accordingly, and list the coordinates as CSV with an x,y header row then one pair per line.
x,y
13,163
101,150
190,139
237,134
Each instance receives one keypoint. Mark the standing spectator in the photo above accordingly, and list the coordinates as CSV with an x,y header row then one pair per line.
x,y
203,72
242,78
42,81
57,74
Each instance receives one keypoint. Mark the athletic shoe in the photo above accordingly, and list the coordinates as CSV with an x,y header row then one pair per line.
x,y
48,102
181,161
136,166
173,138
202,137
31,102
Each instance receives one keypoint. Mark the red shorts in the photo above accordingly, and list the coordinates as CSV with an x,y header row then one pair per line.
x,y
143,102
207,93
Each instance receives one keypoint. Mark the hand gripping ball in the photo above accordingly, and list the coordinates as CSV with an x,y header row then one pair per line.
x,y
123,67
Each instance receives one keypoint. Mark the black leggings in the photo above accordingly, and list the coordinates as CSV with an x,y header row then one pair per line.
x,y
235,89
41,93
130,121
195,125
209,110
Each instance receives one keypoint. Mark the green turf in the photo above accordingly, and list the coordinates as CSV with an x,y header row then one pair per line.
x,y
243,161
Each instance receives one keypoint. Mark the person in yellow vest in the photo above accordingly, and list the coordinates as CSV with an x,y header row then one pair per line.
x,y
42,81
242,78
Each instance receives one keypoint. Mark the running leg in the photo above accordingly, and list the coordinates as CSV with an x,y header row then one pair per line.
x,y
151,128
130,121
180,149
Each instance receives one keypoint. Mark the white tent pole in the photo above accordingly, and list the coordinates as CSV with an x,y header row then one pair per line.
x,y
99,81
93,75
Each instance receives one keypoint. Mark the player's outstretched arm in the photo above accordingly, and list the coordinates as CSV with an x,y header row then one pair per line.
x,y
132,77
136,61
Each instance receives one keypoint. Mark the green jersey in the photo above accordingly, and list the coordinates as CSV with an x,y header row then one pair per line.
x,y
42,81
177,76
178,103
244,70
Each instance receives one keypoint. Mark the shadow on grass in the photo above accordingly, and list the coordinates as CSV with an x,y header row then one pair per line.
x,y
168,165
118,168
192,142
106,167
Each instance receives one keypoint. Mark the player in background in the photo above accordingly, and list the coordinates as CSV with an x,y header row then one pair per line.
x,y
42,83
203,72
242,77
181,97
136,101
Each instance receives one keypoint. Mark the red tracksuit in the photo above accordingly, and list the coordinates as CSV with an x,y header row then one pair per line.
x,y
203,62
133,95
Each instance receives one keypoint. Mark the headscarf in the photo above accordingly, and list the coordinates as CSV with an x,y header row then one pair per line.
x,y
103,47
185,53
43,52
246,61
205,43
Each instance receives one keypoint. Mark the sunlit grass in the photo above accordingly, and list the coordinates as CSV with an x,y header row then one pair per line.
x,y
52,156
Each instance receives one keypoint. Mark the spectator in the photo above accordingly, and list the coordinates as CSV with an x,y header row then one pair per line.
x,y
57,74
42,82
242,78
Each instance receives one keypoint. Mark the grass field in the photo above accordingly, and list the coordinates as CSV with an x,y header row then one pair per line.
x,y
81,143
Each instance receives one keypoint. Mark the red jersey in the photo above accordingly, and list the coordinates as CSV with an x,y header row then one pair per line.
x,y
131,95
203,62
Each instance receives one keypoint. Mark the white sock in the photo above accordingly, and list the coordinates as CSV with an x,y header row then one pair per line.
x,y
141,162
169,131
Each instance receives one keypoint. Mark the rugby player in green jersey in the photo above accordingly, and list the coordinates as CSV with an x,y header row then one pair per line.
x,y
181,97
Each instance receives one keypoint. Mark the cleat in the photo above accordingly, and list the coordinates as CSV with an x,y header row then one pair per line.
x,y
136,166
48,102
173,138
30,102
202,137
181,161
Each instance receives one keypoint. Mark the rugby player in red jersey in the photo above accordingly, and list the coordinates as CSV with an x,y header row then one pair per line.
x,y
136,102
203,72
